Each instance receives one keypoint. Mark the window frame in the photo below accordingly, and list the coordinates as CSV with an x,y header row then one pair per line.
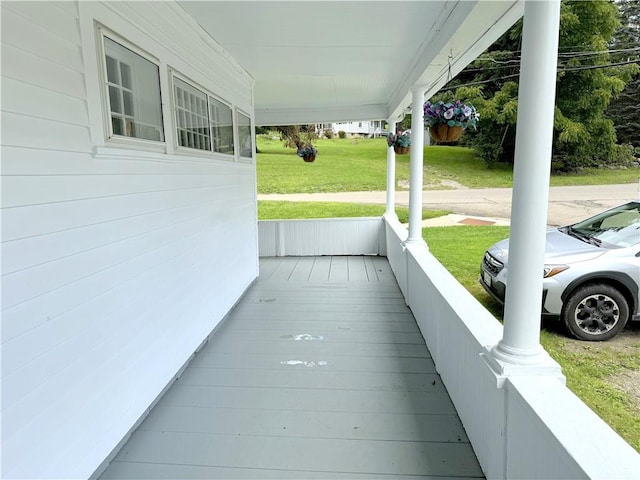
x,y
181,149
239,111
177,125
231,108
109,136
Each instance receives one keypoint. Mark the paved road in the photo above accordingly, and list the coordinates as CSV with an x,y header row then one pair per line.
x,y
566,204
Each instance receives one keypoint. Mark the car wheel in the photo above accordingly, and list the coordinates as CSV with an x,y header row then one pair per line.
x,y
595,312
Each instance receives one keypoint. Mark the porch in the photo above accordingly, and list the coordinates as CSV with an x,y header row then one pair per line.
x,y
347,390
319,372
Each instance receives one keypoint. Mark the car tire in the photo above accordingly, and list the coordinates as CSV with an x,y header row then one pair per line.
x,y
595,312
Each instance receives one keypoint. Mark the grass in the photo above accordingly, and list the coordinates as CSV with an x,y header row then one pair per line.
x,y
341,166
268,210
588,367
589,370
352,165
464,263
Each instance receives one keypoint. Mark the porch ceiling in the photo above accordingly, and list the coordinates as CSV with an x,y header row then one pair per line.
x,y
323,61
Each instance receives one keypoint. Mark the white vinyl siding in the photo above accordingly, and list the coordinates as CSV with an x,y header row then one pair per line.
x,y
117,262
42,110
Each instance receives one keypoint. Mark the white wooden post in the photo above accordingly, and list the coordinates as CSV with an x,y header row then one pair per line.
x,y
391,174
416,165
520,344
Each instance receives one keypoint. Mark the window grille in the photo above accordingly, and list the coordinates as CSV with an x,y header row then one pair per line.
x,y
133,92
192,118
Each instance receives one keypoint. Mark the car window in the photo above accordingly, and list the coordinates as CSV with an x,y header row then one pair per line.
x,y
619,227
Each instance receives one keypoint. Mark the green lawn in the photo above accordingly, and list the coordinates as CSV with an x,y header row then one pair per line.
x,y
352,165
269,209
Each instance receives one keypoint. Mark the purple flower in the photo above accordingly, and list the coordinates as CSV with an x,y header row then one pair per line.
x,y
454,113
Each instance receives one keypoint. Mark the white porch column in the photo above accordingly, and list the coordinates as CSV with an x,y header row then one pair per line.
x,y
536,99
416,165
391,173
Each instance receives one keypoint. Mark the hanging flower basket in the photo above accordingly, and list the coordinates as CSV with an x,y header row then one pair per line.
x,y
401,142
308,153
446,121
445,134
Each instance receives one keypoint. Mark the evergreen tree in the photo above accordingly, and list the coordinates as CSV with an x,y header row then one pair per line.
x,y
625,110
588,80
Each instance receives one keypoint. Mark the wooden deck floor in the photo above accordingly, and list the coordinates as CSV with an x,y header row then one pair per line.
x,y
320,372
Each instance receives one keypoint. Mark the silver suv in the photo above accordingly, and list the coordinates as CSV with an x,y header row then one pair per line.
x,y
591,273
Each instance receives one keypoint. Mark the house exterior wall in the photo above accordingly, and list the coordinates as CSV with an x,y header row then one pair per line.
x,y
367,127
118,260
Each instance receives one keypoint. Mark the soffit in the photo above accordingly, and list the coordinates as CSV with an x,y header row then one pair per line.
x,y
320,61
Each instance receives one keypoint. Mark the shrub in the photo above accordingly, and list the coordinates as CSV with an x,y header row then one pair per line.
x,y
623,154
328,133
342,134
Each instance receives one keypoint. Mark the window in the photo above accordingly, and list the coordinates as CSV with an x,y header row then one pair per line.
x,y
244,135
133,93
132,105
221,126
202,122
192,119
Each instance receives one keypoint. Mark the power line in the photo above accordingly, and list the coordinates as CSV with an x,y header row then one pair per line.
x,y
564,69
591,67
585,53
577,47
484,69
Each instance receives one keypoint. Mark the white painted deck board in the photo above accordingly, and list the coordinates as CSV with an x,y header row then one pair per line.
x,y
319,372
315,454
212,359
321,269
316,400
253,325
339,425
153,471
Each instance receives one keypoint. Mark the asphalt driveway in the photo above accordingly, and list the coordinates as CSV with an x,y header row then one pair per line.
x,y
566,204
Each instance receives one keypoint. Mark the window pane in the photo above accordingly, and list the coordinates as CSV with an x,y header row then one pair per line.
x,y
244,135
191,118
134,89
125,73
130,128
117,124
221,126
112,70
114,100
128,102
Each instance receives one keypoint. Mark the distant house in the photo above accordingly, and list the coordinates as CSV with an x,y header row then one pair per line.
x,y
369,128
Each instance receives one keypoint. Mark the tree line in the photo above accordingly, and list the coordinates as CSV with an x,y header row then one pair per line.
x,y
597,111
